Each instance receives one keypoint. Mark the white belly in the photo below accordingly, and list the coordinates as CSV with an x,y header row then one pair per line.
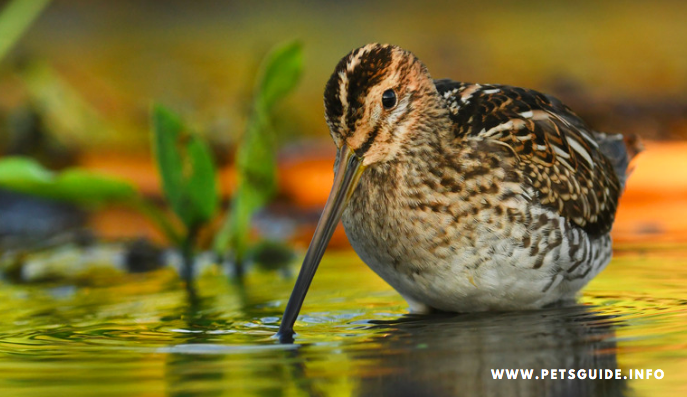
x,y
491,269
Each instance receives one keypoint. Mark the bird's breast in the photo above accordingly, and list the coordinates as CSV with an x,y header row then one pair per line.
x,y
406,221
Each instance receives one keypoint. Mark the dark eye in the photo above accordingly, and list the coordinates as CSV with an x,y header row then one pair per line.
x,y
389,99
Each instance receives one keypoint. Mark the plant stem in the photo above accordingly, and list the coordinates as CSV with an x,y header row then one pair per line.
x,y
187,254
239,268
160,220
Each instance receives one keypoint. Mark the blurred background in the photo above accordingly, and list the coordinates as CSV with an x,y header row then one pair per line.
x,y
76,89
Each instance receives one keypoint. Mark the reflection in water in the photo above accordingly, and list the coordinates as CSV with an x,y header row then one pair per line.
x,y
454,354
200,365
194,374
148,337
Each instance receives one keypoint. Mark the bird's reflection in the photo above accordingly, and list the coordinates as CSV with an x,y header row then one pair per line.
x,y
448,355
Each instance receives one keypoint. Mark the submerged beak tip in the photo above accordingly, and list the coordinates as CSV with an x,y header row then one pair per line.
x,y
286,336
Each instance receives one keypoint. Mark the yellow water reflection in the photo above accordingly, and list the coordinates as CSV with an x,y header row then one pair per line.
x,y
144,337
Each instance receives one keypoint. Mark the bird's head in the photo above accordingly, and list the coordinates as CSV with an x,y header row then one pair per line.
x,y
377,99
373,100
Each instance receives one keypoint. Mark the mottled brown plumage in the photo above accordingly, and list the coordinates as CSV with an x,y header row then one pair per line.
x,y
469,197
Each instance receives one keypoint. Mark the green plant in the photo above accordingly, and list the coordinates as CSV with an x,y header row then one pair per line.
x,y
15,19
186,169
81,187
188,174
255,158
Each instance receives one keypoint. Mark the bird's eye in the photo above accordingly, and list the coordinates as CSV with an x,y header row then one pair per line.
x,y
389,99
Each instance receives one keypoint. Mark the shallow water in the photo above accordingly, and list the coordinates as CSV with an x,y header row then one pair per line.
x,y
144,336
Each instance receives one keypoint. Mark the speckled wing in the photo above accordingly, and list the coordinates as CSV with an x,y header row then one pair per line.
x,y
557,153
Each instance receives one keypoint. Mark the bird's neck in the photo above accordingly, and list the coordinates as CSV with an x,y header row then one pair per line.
x,y
430,135
424,147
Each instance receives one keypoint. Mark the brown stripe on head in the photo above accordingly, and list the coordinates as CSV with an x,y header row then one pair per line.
x,y
351,81
353,98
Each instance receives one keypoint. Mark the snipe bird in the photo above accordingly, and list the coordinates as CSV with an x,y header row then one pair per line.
x,y
463,197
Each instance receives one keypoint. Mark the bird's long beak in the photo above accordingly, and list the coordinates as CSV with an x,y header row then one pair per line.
x,y
346,178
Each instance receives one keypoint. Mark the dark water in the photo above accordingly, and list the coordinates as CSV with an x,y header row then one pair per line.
x,y
142,336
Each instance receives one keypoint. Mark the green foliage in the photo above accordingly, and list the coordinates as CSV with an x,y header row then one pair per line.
x,y
74,185
255,158
185,163
186,168
70,117
279,74
15,18
80,187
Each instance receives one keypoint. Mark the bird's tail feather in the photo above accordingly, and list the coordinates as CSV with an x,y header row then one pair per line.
x,y
620,150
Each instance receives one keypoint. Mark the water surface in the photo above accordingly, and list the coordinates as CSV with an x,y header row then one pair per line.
x,y
142,335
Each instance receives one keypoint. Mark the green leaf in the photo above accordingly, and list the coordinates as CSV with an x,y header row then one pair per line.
x,y
79,186
186,169
74,185
87,187
279,74
255,158
166,132
15,19
201,184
